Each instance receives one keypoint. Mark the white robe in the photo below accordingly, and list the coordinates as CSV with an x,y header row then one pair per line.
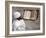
x,y
19,25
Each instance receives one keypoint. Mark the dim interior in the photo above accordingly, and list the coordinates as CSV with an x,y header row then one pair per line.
x,y
31,17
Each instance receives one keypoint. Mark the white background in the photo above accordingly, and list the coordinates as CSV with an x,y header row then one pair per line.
x,y
2,19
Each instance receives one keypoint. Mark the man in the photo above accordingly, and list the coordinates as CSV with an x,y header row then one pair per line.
x,y
18,23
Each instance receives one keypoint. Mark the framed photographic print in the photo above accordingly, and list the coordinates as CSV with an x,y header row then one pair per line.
x,y
24,18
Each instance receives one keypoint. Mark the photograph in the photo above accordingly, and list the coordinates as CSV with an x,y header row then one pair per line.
x,y
24,18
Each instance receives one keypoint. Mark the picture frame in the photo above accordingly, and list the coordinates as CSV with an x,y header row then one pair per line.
x,y
19,5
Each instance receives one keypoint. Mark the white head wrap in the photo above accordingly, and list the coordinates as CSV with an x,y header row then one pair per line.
x,y
17,14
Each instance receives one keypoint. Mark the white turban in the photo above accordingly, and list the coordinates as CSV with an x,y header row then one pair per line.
x,y
17,14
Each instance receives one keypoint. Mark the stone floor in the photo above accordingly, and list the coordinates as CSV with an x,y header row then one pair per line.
x,y
31,25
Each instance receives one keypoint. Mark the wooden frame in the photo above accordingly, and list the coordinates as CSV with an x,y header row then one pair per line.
x,y
7,4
